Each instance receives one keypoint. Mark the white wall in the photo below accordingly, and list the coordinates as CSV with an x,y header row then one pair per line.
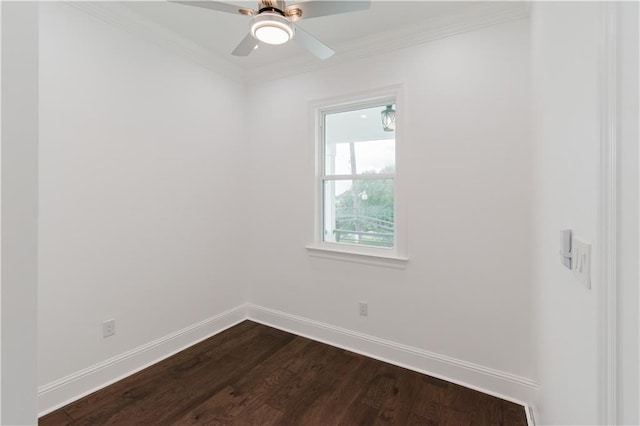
x,y
19,211
466,161
566,154
138,154
160,203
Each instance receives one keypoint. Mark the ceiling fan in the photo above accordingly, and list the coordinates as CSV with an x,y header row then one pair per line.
x,y
273,22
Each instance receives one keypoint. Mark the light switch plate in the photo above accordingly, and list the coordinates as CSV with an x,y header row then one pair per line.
x,y
565,248
581,261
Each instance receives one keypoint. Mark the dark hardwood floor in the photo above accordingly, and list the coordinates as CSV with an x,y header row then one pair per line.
x,y
256,375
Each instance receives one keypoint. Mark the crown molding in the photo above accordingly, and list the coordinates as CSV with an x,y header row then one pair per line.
x,y
477,16
116,15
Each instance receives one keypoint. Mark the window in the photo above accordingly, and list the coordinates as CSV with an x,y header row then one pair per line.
x,y
356,178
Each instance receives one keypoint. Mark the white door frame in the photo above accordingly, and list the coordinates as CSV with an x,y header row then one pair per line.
x,y
607,198
613,280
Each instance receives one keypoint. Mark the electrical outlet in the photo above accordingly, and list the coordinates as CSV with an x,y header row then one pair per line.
x,y
581,261
364,309
109,328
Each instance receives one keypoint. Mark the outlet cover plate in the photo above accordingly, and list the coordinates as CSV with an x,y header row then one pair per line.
x,y
364,309
108,328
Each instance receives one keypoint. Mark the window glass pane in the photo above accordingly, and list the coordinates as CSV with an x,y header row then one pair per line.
x,y
356,143
359,212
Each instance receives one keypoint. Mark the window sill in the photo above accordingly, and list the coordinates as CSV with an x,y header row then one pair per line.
x,y
346,255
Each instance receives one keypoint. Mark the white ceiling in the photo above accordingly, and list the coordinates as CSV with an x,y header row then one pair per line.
x,y
219,32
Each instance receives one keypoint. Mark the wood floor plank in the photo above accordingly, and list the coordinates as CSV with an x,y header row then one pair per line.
x,y
115,402
296,355
380,389
182,387
293,392
233,342
265,415
200,384
489,412
429,401
233,403
366,408
214,409
462,399
513,414
292,357
267,378
451,417
56,418
397,409
140,382
252,374
348,374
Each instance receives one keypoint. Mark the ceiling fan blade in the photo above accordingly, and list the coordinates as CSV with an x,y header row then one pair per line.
x,y
246,46
315,8
217,5
312,44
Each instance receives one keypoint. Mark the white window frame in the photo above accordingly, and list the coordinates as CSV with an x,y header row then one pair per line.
x,y
396,256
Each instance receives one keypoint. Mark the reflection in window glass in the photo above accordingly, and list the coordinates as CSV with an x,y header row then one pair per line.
x,y
356,143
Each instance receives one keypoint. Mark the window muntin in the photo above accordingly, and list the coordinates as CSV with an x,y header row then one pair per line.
x,y
358,177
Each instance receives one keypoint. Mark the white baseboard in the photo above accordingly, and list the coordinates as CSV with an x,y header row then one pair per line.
x,y
74,386
500,384
529,412
510,387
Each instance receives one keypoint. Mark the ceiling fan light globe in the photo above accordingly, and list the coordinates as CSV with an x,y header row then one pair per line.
x,y
271,28
272,34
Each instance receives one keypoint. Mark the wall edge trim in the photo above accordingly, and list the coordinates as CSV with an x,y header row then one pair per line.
x,y
608,338
528,410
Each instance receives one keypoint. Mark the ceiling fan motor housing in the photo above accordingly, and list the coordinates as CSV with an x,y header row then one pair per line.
x,y
271,4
